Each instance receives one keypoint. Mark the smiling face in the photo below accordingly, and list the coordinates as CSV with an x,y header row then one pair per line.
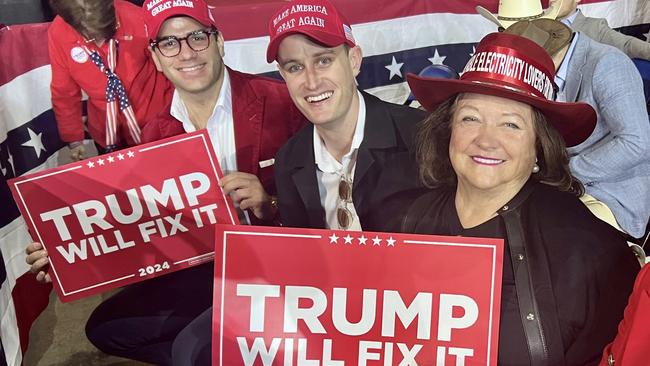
x,y
321,80
492,145
191,71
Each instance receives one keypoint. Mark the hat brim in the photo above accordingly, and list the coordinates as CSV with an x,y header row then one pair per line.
x,y
549,13
325,38
574,121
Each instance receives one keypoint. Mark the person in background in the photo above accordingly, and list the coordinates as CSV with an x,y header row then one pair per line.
x,y
493,154
357,149
598,30
613,162
99,47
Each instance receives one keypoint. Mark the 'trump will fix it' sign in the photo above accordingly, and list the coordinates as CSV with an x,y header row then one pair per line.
x,y
322,297
127,216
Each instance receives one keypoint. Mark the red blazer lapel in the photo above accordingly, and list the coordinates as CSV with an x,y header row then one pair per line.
x,y
247,111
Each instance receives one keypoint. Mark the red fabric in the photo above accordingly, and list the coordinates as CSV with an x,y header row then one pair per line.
x,y
156,12
37,295
258,12
20,41
148,90
264,118
333,31
632,343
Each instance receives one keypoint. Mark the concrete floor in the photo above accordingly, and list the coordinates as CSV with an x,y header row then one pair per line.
x,y
57,337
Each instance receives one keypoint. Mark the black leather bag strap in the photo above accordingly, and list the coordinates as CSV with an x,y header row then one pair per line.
x,y
522,259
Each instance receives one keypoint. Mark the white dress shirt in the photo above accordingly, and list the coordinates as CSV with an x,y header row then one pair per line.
x,y
329,173
220,128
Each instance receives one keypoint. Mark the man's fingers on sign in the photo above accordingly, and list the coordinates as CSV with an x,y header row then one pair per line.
x,y
237,181
248,193
38,260
77,152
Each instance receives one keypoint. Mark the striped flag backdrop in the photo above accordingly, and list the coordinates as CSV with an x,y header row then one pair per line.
x,y
397,37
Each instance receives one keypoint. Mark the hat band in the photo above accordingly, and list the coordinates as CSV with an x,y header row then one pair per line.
x,y
516,19
502,65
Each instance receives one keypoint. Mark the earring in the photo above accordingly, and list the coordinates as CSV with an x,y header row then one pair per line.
x,y
535,167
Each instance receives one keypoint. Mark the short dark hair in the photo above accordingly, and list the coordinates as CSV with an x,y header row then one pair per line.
x,y
434,164
91,18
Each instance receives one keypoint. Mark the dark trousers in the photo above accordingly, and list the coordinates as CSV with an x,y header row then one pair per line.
x,y
193,346
142,321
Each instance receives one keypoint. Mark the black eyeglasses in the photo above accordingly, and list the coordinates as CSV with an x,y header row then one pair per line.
x,y
343,214
171,46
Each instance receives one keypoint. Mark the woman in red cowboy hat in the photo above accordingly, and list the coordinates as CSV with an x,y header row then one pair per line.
x,y
492,153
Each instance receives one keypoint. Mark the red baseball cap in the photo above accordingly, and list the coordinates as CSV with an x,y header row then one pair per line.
x,y
157,11
317,19
513,67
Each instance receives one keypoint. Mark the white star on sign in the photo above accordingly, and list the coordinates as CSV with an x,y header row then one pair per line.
x,y
362,240
91,164
437,59
35,142
647,36
130,154
394,68
391,241
348,239
473,51
376,241
120,156
334,239
100,161
110,159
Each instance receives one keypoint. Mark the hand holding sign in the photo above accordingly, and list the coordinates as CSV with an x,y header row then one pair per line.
x,y
248,192
126,216
304,296
38,260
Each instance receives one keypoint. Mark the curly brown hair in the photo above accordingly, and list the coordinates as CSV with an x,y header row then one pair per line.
x,y
93,19
434,164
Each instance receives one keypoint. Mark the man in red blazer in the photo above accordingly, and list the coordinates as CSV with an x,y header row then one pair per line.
x,y
248,119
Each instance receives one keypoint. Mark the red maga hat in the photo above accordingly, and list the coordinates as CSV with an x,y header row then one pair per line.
x,y
317,19
513,67
157,11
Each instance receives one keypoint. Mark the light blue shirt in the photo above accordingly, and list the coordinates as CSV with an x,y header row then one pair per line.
x,y
571,18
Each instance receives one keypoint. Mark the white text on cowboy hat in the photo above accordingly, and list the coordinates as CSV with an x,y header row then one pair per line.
x,y
513,67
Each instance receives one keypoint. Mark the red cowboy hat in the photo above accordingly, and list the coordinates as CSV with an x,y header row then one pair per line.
x,y
513,67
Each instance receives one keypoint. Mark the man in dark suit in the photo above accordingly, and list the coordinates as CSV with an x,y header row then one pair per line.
x,y
357,149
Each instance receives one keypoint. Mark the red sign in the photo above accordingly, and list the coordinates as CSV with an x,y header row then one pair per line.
x,y
321,297
127,216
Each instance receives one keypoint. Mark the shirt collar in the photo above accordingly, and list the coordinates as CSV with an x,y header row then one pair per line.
x,y
561,75
224,101
571,18
324,160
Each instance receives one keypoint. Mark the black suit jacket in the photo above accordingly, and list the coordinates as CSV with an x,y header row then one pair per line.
x,y
385,165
